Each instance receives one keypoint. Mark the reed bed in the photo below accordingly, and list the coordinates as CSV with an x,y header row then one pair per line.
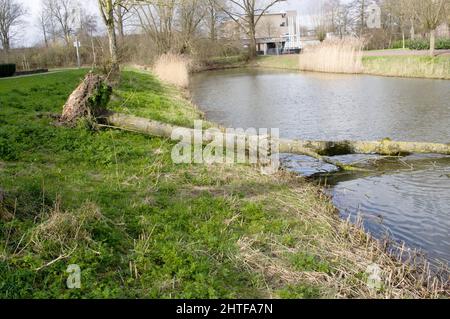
x,y
173,69
334,56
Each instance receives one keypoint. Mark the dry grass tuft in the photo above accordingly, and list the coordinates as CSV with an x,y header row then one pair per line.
x,y
341,252
273,266
334,56
173,69
56,235
351,251
62,231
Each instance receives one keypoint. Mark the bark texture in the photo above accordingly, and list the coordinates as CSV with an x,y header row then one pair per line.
x,y
316,149
87,101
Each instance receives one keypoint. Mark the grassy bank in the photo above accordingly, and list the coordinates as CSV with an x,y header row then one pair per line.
x,y
288,62
218,63
408,66
139,226
401,66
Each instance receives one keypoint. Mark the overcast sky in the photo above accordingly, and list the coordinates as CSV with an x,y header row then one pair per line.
x,y
30,35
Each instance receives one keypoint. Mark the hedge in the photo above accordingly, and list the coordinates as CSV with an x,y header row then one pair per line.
x,y
37,71
7,70
422,44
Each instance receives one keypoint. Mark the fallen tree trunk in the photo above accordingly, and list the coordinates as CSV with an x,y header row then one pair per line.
x,y
384,147
154,128
316,149
89,100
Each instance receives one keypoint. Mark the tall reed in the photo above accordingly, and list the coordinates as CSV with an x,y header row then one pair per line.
x,y
173,69
334,56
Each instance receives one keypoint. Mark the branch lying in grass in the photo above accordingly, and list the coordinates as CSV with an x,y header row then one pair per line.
x,y
61,257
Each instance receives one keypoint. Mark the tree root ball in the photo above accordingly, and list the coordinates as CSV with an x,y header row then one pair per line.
x,y
88,100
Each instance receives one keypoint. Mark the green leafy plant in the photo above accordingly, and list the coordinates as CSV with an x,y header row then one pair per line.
x,y
422,44
101,97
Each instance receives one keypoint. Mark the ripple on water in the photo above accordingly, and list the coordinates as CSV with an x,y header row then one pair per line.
x,y
409,206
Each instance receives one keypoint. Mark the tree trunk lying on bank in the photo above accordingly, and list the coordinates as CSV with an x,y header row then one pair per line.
x,y
383,147
93,94
316,149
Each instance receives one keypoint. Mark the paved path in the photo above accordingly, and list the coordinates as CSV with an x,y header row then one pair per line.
x,y
37,74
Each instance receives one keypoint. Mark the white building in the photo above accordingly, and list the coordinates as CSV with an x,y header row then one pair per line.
x,y
276,33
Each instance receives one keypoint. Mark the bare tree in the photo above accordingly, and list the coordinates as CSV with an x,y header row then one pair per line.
x,y
343,20
122,14
322,19
190,14
214,16
359,8
43,23
88,23
267,29
11,13
157,20
63,13
401,11
331,9
247,14
431,14
88,26
107,8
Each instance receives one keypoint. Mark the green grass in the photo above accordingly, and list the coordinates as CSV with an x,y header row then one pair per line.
x,y
140,226
401,66
175,240
289,62
409,66
387,50
227,60
221,62
142,95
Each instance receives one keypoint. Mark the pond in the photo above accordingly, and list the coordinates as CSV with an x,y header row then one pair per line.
x,y
408,199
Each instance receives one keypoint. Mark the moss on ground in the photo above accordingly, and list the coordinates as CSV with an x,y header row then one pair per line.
x,y
139,226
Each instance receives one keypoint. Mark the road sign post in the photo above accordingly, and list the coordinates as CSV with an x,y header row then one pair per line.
x,y
77,45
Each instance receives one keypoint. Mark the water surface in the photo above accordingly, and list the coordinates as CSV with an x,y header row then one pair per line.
x,y
407,200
